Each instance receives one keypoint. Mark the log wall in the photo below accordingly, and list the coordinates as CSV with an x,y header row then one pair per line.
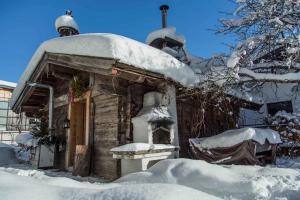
x,y
106,133
115,102
214,123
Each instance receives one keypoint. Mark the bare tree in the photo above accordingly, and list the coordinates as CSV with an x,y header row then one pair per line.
x,y
268,40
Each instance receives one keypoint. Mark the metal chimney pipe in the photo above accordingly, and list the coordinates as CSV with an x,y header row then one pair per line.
x,y
164,11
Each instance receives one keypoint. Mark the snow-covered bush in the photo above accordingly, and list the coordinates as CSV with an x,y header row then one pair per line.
x,y
288,125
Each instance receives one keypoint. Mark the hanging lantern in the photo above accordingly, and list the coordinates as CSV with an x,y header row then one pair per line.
x,y
66,123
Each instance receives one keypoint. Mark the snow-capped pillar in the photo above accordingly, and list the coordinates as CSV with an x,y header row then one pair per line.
x,y
169,100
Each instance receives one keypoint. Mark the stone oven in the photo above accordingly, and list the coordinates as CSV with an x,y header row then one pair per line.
x,y
154,123
153,135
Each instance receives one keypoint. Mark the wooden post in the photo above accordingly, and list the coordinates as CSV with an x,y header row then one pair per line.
x,y
82,161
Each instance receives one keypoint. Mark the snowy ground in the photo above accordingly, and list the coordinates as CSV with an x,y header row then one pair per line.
x,y
170,179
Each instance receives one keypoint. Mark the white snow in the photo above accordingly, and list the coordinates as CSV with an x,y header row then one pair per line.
x,y
165,32
66,21
226,182
235,136
106,45
135,147
7,154
26,139
157,113
288,77
287,116
245,95
172,179
7,84
36,185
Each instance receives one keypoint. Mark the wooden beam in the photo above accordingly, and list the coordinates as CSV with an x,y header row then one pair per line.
x,y
136,77
24,107
139,70
82,63
62,76
39,94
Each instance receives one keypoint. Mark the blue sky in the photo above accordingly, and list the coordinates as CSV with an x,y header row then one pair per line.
x,y
25,24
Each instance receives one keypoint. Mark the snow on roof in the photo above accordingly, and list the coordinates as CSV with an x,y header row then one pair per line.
x,y
165,32
247,96
152,114
136,147
7,84
235,136
66,21
106,45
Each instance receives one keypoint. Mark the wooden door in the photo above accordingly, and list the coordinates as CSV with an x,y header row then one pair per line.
x,y
77,128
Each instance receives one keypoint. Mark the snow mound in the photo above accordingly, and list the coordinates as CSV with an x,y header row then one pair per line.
x,y
106,45
66,21
165,32
152,114
226,182
35,185
26,139
176,179
154,192
7,155
235,136
135,147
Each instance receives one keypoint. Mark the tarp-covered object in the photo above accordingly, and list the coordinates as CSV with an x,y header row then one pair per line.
x,y
239,146
242,153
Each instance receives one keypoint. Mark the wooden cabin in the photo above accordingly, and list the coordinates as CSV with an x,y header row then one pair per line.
x,y
101,117
98,83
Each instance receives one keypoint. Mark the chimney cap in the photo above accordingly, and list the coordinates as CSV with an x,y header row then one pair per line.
x,y
66,24
164,7
69,12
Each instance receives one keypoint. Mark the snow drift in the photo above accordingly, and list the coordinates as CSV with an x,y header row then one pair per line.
x,y
176,179
235,136
228,182
26,139
7,155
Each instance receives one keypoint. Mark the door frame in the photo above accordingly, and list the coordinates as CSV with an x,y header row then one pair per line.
x,y
87,98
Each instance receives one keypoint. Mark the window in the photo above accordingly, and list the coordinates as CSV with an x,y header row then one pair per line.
x,y
273,108
3,114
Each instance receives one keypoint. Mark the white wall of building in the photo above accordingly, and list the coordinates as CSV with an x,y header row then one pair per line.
x,y
271,93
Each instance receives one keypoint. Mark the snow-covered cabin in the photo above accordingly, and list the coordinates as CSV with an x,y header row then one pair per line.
x,y
100,82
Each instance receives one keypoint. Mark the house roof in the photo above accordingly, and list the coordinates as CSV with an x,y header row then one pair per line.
x,y
120,48
115,47
6,84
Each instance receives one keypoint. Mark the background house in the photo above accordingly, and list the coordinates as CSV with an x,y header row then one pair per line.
x,y
277,97
11,123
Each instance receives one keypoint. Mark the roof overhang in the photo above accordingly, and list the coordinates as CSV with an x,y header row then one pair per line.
x,y
102,66
108,49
